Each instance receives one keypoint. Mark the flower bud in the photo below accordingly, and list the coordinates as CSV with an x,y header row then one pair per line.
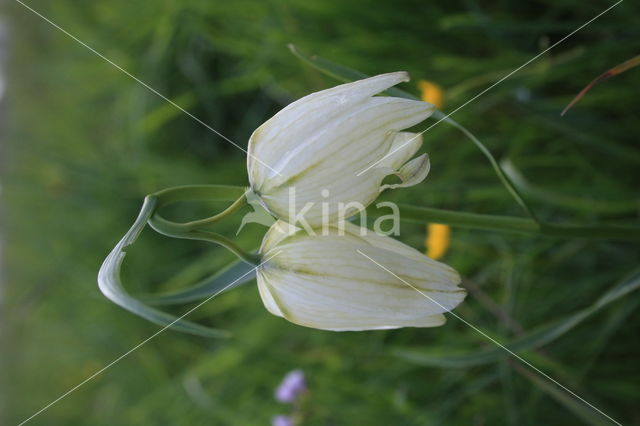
x,y
324,146
332,282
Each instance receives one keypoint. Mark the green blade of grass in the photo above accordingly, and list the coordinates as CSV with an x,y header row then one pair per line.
x,y
618,69
567,201
512,224
532,340
577,407
237,273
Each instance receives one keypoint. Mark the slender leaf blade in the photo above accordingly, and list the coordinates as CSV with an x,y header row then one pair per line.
x,y
530,341
237,273
111,286
579,408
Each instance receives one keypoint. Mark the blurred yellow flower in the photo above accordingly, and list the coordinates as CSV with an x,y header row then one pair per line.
x,y
438,236
432,93
437,240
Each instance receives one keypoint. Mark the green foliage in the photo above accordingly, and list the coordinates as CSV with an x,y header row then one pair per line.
x,y
85,144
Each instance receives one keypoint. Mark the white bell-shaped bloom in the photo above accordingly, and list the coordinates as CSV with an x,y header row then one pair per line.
x,y
321,144
343,280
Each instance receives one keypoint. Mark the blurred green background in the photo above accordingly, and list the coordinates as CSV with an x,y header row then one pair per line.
x,y
83,143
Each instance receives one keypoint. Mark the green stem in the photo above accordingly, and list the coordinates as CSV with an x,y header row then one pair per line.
x,y
191,230
178,230
187,226
612,232
408,213
511,224
198,193
464,220
504,178
347,74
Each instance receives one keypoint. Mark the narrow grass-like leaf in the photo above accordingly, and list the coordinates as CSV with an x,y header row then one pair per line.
x,y
165,112
111,285
199,193
512,224
204,288
567,201
532,340
339,72
487,222
573,404
618,69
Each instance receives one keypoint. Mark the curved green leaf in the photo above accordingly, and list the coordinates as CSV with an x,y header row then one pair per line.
x,y
567,201
198,193
346,74
579,408
111,285
529,341
487,222
237,273
618,69
508,184
502,223
510,224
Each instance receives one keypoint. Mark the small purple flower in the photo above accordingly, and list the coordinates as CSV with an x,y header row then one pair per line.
x,y
281,421
292,385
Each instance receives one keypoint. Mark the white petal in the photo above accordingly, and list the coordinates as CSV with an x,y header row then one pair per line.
x,y
329,303
324,282
349,142
306,115
404,146
448,273
267,298
332,158
278,232
412,173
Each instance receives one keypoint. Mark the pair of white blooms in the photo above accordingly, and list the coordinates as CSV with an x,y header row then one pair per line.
x,y
323,146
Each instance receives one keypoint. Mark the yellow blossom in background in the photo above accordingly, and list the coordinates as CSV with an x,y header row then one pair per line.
x,y
432,93
437,240
438,236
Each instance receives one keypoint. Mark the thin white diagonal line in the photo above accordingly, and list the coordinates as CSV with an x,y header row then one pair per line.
x,y
151,89
482,333
493,85
73,389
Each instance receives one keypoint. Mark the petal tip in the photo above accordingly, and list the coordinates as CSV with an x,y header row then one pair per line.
x,y
393,78
400,77
403,76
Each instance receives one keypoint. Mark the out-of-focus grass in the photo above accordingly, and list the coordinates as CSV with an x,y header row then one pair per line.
x,y
85,143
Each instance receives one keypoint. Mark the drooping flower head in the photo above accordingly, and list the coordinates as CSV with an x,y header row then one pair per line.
x,y
324,146
332,282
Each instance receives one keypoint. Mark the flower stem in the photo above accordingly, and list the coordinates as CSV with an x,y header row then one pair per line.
x,y
407,212
187,226
466,220
512,224
192,230
178,230
612,232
